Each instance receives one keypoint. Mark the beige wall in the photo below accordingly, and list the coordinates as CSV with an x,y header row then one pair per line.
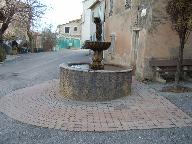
x,y
165,43
118,24
38,41
156,40
162,43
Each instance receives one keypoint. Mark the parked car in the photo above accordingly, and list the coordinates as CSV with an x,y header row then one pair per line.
x,y
7,48
23,50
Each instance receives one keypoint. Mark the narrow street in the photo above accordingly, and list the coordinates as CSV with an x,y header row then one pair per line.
x,y
32,69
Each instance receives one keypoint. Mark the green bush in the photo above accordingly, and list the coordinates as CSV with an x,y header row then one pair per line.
x,y
2,54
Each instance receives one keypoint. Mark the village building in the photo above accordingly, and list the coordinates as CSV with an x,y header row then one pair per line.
x,y
122,29
37,42
97,10
69,34
87,22
139,30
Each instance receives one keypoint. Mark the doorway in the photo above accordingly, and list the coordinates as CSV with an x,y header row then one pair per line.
x,y
135,47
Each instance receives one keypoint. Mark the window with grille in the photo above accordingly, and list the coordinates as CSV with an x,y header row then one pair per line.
x,y
111,8
75,28
127,4
67,29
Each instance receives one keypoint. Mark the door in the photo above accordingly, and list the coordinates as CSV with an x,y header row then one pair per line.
x,y
76,43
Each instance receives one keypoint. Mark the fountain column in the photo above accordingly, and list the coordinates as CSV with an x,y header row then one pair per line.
x,y
98,54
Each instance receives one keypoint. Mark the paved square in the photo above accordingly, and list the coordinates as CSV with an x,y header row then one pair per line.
x,y
43,106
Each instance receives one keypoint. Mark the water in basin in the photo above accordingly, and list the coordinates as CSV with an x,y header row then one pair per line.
x,y
110,67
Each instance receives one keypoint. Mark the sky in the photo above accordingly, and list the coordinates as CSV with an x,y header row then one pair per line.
x,y
61,11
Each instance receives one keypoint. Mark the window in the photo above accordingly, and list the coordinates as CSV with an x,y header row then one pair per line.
x,y
93,15
127,4
111,8
75,28
67,29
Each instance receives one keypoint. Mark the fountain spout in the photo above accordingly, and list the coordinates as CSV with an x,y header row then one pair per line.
x,y
98,24
97,46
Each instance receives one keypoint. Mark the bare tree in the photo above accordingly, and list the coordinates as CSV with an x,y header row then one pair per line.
x,y
49,39
34,13
26,12
7,12
180,12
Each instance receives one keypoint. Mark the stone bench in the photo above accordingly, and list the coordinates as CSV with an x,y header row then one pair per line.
x,y
162,67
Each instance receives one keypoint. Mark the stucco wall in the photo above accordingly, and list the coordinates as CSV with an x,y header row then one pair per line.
x,y
118,24
156,37
38,41
162,42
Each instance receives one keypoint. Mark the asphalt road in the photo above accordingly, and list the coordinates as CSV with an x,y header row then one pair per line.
x,y
32,69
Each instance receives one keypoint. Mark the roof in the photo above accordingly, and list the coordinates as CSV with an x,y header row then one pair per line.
x,y
84,1
76,20
94,4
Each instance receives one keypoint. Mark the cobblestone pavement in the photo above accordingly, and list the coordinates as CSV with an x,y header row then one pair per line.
x,y
32,69
41,105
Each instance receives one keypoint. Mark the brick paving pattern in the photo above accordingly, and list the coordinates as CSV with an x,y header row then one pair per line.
x,y
43,106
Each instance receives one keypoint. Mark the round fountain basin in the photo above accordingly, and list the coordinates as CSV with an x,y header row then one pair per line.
x,y
78,82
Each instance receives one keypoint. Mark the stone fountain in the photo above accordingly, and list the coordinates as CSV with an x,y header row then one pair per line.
x,y
97,46
97,81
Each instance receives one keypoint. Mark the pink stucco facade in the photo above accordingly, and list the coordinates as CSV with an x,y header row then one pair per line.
x,y
140,36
